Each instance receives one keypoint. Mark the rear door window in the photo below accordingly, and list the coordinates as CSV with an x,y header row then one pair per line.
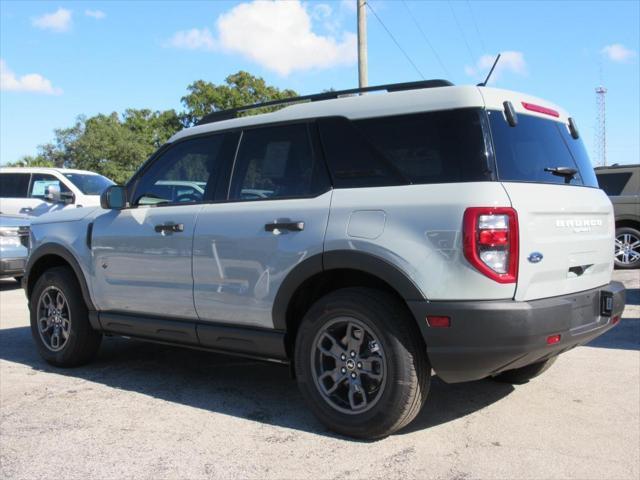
x,y
524,152
433,147
277,162
14,185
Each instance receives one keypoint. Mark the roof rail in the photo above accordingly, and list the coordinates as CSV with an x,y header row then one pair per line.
x,y
391,87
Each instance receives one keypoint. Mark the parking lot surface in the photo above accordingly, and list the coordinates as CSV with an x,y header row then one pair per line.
x,y
150,411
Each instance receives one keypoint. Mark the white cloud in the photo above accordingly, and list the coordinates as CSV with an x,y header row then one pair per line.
x,y
97,14
31,82
194,39
510,61
275,35
618,53
58,21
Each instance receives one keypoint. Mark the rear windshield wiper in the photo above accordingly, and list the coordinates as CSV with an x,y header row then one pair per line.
x,y
566,172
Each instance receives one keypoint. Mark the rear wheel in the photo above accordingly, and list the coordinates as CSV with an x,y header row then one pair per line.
x,y
627,249
524,374
60,321
360,363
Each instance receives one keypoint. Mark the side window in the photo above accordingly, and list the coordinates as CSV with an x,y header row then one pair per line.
x,y
14,185
432,147
40,184
613,183
185,173
277,162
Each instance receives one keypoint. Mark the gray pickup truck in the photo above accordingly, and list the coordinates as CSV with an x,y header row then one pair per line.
x,y
622,184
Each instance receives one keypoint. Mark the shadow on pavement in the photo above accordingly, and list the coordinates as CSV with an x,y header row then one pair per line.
x,y
248,389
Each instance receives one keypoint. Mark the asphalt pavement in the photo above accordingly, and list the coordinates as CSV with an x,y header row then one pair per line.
x,y
153,412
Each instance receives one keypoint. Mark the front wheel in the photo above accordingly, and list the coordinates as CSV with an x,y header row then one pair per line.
x,y
627,249
361,364
59,320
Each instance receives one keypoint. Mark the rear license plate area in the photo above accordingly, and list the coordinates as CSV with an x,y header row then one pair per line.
x,y
606,303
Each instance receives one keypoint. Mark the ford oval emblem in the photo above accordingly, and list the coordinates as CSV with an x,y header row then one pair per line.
x,y
535,257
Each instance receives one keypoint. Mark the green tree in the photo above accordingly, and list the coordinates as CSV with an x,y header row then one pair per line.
x,y
116,145
239,89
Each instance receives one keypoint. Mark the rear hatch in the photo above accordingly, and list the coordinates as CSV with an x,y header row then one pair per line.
x,y
566,224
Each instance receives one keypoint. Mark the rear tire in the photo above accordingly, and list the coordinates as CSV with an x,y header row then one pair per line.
x,y
361,364
627,249
522,375
60,321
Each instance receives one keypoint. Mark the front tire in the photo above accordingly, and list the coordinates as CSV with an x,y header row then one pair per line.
x,y
361,364
522,375
59,320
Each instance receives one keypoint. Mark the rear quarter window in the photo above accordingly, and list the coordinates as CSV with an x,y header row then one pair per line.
x,y
432,147
613,183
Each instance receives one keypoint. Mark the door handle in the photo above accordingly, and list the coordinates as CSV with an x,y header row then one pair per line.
x,y
169,227
277,227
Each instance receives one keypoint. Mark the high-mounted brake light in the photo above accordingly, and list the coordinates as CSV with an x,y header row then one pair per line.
x,y
491,241
540,109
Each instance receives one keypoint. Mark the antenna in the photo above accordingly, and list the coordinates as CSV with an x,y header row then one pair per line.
x,y
484,84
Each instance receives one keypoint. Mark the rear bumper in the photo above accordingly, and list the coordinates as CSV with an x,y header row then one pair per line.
x,y
488,337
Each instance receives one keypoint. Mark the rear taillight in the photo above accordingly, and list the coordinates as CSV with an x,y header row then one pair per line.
x,y
491,241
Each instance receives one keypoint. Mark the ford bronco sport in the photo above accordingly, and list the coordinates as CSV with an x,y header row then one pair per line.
x,y
363,240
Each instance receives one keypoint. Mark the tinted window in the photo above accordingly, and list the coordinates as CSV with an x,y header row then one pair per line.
x,y
89,184
524,152
613,183
185,173
14,185
40,184
277,162
434,147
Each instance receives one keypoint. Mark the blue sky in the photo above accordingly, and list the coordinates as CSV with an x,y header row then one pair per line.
x,y
62,59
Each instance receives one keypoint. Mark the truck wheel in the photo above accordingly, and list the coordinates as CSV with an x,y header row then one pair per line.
x,y
522,375
627,249
361,364
60,321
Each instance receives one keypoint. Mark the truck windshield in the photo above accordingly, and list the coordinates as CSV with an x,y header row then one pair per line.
x,y
540,151
89,184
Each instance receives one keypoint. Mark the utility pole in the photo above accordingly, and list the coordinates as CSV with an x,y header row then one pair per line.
x,y
362,43
601,127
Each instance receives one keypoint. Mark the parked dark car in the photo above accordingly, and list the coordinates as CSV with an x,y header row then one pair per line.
x,y
622,184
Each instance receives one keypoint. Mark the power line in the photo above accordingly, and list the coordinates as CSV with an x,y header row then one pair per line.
x,y
424,35
461,31
395,41
476,25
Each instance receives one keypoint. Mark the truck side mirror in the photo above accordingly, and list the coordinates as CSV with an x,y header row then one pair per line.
x,y
114,198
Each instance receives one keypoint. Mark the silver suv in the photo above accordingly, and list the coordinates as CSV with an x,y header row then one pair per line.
x,y
362,239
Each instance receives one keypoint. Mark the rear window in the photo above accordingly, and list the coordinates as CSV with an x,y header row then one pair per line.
x,y
433,147
524,152
613,183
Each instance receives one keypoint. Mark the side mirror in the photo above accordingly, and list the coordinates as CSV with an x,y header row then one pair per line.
x,y
52,194
114,198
